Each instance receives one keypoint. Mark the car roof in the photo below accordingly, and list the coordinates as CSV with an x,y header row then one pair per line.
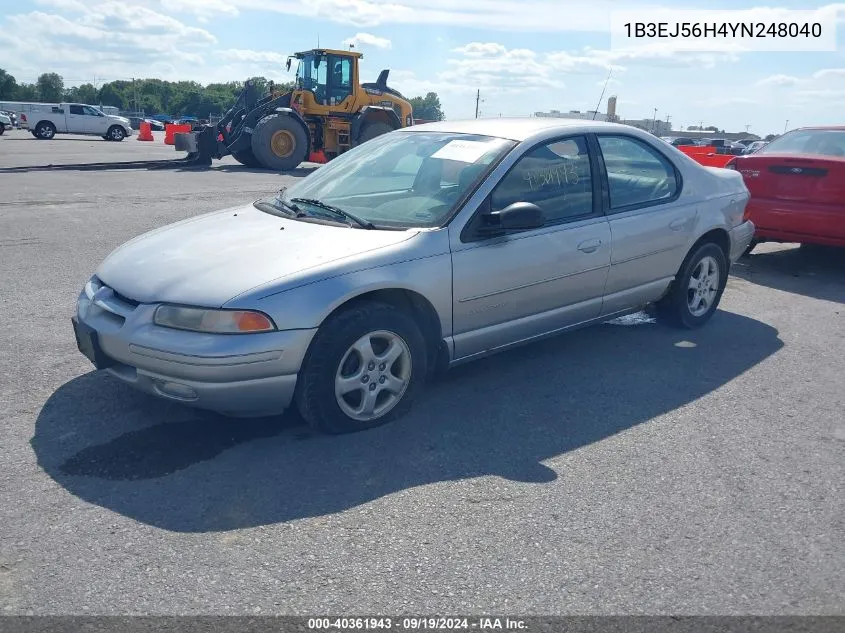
x,y
517,129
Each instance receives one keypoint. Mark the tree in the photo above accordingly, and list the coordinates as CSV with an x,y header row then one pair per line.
x,y
51,87
770,137
428,107
26,92
8,86
88,94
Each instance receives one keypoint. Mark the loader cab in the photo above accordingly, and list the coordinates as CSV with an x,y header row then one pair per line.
x,y
330,76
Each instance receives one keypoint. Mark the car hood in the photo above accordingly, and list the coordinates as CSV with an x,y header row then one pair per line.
x,y
210,259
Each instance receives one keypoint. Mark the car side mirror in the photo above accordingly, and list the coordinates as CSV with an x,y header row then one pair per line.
x,y
519,216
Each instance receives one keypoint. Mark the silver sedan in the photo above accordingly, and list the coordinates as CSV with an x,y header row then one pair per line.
x,y
420,249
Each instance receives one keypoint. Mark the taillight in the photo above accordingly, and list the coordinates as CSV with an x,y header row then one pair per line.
x,y
23,118
731,164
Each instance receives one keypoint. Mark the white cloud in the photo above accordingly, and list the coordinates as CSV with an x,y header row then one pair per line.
x,y
499,15
204,10
109,39
830,73
367,39
246,55
64,5
778,80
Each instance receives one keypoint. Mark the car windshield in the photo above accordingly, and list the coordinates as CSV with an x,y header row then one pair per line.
x,y
818,142
404,179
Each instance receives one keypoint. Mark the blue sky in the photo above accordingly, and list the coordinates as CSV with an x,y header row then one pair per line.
x,y
524,56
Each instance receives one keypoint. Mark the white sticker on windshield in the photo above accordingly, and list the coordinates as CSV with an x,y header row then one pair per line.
x,y
462,151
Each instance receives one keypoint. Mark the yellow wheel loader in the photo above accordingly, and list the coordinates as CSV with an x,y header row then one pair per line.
x,y
328,112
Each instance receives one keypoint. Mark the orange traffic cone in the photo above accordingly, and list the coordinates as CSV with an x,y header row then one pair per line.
x,y
145,133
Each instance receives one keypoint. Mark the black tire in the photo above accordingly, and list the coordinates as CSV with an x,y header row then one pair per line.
x,y
372,130
674,309
315,390
262,142
116,133
45,131
246,158
2,129
751,246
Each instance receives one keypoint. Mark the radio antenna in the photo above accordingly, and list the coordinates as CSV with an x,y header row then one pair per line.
x,y
598,105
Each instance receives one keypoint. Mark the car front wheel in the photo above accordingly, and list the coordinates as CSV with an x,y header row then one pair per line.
x,y
363,369
116,133
697,289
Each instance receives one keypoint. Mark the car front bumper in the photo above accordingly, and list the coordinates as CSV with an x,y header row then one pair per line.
x,y
741,237
241,375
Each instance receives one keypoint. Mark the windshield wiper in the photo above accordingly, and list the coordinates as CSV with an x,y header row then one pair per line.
x,y
364,224
291,208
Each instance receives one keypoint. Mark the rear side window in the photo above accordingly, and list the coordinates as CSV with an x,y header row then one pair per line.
x,y
637,174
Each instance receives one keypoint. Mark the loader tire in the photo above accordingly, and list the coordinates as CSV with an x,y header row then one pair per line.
x,y
279,142
372,130
246,158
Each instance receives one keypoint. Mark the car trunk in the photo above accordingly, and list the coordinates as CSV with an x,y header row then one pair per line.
x,y
796,193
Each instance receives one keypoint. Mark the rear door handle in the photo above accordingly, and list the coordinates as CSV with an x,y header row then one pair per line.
x,y
677,225
590,246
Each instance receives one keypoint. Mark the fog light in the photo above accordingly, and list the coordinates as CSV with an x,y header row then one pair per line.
x,y
175,390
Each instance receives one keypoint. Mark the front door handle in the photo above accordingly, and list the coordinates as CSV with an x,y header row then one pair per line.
x,y
590,246
677,225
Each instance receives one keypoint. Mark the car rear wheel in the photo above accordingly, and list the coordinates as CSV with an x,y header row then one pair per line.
x,y
45,131
363,369
2,129
697,289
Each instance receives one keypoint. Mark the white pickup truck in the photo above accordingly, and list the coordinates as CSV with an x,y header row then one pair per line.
x,y
77,118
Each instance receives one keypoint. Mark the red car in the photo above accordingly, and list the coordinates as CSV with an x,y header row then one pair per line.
x,y
797,185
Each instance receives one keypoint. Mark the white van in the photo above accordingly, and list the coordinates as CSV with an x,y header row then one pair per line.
x,y
76,118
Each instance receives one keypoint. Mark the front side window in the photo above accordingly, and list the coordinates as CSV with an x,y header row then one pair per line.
x,y
812,142
402,179
636,173
77,109
92,111
311,74
556,177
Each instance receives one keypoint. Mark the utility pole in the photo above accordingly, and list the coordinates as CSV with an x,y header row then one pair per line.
x,y
785,125
747,127
668,125
654,121
477,101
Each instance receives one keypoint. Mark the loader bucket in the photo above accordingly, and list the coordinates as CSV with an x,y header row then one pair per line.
x,y
201,145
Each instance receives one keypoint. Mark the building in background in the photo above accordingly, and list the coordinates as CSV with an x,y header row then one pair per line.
x,y
589,115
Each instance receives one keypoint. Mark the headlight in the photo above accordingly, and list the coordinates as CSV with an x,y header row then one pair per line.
x,y
213,321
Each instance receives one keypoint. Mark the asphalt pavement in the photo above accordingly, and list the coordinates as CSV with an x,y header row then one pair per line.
x,y
625,469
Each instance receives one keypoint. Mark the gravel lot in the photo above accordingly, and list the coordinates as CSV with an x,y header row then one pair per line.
x,y
620,469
